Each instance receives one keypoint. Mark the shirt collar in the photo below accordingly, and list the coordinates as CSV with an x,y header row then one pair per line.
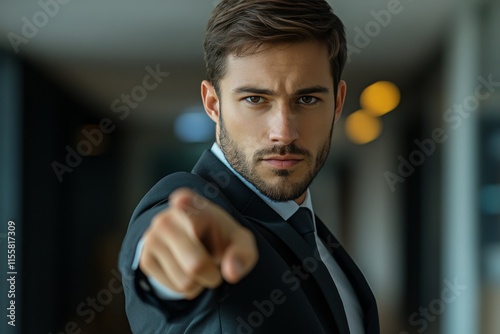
x,y
284,209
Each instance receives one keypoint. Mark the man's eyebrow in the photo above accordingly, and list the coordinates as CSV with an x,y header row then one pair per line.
x,y
312,90
260,91
253,90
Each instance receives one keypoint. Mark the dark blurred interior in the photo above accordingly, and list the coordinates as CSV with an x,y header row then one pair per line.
x,y
417,205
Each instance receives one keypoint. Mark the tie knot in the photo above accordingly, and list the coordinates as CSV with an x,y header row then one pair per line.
x,y
302,221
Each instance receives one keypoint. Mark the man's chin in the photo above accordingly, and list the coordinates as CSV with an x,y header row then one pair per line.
x,y
281,189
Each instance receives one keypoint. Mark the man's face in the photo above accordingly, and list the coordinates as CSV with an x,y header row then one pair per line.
x,y
275,115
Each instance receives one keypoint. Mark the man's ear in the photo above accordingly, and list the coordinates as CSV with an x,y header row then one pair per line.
x,y
210,100
340,99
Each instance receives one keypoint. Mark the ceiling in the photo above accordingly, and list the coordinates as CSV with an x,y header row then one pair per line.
x,y
101,48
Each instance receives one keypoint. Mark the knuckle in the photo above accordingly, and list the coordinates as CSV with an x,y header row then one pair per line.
x,y
150,242
195,268
163,222
160,220
147,262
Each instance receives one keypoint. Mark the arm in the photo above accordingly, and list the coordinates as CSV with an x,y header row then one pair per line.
x,y
141,297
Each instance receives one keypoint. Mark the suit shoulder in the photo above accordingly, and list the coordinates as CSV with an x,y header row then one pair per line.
x,y
160,192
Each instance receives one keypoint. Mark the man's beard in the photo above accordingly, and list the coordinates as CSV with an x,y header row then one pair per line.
x,y
285,190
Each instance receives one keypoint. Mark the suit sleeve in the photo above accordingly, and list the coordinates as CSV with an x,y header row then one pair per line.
x,y
139,295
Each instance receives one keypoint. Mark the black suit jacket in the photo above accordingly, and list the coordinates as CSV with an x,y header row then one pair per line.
x,y
288,291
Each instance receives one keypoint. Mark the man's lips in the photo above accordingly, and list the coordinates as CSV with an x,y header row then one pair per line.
x,y
283,161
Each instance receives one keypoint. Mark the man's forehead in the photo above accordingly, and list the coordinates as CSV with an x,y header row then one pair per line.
x,y
303,64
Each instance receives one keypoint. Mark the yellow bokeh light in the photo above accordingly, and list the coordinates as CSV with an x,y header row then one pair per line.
x,y
362,128
380,98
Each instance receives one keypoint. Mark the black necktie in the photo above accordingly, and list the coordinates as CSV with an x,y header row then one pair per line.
x,y
302,222
329,309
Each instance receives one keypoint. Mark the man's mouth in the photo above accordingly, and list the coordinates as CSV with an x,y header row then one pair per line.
x,y
283,161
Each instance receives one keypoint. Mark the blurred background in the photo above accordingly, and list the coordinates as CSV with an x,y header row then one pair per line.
x,y
100,99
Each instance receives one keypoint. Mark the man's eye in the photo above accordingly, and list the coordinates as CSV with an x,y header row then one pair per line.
x,y
254,99
308,100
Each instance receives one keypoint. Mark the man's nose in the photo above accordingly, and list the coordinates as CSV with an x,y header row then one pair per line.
x,y
283,125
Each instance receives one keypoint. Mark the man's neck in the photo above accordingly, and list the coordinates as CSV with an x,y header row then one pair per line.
x,y
300,199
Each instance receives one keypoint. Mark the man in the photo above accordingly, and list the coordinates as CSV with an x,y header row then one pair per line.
x,y
234,246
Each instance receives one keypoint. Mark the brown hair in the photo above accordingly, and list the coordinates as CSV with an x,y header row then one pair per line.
x,y
240,27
